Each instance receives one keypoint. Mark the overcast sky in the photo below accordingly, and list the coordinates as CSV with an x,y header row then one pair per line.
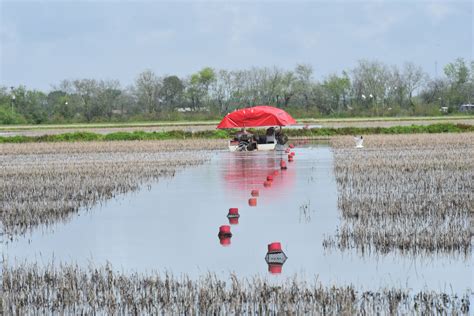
x,y
43,42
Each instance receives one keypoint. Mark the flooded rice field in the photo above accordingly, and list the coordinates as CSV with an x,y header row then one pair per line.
x,y
165,230
407,193
173,226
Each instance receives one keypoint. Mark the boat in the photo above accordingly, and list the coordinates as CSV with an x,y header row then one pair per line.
x,y
258,116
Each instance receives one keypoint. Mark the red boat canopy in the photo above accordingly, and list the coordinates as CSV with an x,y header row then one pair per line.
x,y
261,115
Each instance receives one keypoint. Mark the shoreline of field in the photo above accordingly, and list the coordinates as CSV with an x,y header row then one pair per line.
x,y
304,133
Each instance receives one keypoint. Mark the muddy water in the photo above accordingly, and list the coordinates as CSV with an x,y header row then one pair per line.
x,y
173,226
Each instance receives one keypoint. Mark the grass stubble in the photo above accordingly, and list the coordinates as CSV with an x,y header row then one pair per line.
x,y
411,194
70,289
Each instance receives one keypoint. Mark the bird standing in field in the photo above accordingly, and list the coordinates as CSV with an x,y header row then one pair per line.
x,y
359,140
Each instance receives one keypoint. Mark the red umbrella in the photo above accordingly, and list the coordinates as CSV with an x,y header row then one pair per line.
x,y
261,115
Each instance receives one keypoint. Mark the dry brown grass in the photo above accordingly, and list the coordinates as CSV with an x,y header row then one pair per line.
x,y
407,192
69,289
44,183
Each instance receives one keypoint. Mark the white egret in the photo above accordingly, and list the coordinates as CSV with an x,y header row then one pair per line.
x,y
359,140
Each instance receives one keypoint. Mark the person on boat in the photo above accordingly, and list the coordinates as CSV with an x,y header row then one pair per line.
x,y
270,135
243,135
246,140
280,137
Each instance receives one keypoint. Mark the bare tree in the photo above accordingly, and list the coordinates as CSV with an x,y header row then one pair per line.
x,y
86,90
303,82
371,79
413,77
147,89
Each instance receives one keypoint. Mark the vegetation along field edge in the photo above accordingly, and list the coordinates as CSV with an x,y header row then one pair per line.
x,y
215,122
223,134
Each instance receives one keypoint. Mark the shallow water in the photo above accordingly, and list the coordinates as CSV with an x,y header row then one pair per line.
x,y
173,227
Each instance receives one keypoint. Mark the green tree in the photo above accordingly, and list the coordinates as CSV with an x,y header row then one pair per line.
x,y
172,92
108,98
459,77
457,72
337,89
58,105
198,88
85,93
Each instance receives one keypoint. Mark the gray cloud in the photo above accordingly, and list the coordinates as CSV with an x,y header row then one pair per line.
x,y
43,42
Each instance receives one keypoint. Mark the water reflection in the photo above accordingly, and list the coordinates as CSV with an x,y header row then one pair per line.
x,y
224,235
247,171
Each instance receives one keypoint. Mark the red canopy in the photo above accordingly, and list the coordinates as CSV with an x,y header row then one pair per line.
x,y
261,115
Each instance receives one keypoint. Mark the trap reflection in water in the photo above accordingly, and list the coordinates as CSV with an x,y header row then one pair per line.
x,y
224,235
247,171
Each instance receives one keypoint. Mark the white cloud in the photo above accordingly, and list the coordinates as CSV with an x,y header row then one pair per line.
x,y
438,11
155,36
379,19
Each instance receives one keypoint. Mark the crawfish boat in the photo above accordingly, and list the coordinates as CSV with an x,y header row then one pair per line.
x,y
258,116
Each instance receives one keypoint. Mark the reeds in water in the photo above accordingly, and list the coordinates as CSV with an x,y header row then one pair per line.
x,y
70,289
48,182
411,193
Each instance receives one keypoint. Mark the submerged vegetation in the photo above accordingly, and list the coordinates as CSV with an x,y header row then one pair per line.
x,y
406,193
224,134
45,183
70,289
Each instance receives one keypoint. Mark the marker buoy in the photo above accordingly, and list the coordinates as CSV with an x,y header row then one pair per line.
x,y
274,247
224,230
253,201
275,173
267,184
269,178
287,150
291,146
283,164
292,153
255,193
275,258
233,212
290,158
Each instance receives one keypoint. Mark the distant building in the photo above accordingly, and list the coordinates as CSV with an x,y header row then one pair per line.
x,y
198,109
119,112
444,109
466,107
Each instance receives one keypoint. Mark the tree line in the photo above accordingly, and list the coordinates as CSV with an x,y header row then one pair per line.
x,y
372,88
